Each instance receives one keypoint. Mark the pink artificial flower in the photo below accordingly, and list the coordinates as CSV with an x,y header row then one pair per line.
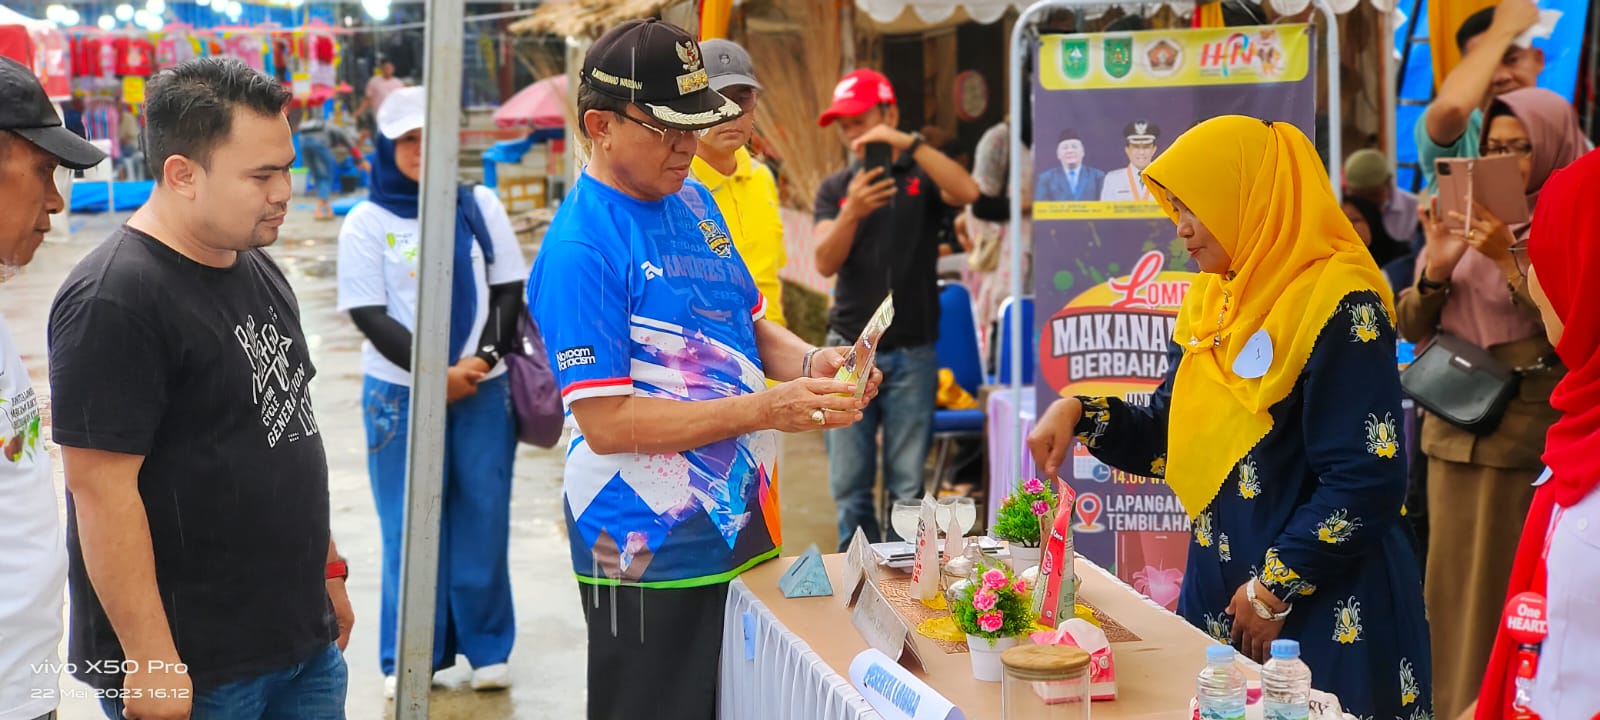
x,y
1019,586
1033,487
991,621
994,580
985,600
1041,508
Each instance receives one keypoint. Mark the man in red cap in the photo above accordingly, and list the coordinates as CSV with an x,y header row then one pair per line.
x,y
877,231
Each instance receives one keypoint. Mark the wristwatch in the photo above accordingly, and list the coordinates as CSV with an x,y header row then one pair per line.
x,y
1262,611
916,142
1424,285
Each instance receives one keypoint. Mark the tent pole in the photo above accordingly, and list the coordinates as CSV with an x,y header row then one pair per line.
x,y
419,572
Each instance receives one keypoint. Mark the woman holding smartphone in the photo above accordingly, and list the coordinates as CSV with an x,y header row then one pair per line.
x,y
378,254
1479,486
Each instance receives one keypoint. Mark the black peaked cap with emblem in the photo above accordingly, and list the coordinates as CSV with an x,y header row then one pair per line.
x,y
658,67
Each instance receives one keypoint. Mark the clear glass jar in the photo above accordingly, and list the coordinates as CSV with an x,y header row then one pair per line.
x,y
1045,682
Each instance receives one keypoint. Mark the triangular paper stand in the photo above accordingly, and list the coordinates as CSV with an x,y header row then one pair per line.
x,y
806,577
859,568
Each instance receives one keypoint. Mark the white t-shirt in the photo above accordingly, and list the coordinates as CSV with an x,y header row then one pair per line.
x,y
33,562
378,254
1565,686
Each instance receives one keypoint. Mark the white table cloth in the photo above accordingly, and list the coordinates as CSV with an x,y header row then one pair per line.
x,y
768,673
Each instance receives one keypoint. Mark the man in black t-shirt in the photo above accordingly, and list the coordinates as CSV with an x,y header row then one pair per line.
x,y
202,577
879,233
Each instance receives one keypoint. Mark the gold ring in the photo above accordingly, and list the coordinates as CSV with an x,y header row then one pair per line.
x,y
817,417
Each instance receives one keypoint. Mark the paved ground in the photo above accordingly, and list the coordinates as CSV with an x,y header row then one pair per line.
x,y
548,662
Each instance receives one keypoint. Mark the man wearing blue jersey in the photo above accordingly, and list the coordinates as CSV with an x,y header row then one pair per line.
x,y
654,327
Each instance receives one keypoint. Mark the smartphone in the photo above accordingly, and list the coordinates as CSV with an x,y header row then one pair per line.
x,y
878,155
1495,182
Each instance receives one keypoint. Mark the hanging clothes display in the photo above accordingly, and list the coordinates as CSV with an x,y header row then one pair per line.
x,y
135,56
78,46
102,120
247,47
323,55
174,49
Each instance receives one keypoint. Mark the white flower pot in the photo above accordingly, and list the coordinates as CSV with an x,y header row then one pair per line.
x,y
986,657
1023,558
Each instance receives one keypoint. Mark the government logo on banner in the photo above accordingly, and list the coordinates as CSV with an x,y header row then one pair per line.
x,y
1075,59
1119,56
1157,58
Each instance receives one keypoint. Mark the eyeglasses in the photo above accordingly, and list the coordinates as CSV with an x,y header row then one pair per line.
x,y
1516,147
1519,254
669,136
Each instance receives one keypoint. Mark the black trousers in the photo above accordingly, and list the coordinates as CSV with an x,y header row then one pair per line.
x,y
654,653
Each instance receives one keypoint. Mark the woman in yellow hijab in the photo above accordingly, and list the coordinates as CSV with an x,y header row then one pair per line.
x,y
1278,424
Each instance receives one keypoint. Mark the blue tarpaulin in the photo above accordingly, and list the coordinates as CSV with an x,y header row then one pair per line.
x,y
511,152
90,197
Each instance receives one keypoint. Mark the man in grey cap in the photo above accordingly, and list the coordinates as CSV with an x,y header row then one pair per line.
x,y
744,189
33,144
1127,184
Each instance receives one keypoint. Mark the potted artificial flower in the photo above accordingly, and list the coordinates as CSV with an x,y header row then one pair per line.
x,y
1020,518
994,609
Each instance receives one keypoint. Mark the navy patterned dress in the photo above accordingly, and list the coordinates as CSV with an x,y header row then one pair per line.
x,y
1314,511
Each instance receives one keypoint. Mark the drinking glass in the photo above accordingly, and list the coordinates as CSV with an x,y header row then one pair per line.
x,y
904,517
965,509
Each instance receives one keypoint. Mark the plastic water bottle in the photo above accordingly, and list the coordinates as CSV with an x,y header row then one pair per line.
x,y
1286,683
1221,689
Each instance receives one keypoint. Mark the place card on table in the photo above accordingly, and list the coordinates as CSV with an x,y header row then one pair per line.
x,y
883,628
806,577
859,567
897,694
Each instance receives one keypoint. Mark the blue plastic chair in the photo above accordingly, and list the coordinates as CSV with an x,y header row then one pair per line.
x,y
958,351
1029,348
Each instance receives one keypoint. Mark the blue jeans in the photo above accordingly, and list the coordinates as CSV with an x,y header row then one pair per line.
x,y
474,612
312,690
320,164
904,410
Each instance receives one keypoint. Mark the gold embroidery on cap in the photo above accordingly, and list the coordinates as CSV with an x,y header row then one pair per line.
x,y
689,53
610,79
693,82
729,110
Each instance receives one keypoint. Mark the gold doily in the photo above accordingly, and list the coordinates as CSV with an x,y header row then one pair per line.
x,y
938,626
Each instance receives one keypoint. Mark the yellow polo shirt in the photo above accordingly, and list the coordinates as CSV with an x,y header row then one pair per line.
x,y
749,203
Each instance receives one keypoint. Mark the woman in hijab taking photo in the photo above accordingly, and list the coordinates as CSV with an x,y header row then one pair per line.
x,y
1278,424
1480,482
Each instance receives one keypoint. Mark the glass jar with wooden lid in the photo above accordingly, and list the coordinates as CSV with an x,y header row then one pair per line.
x,y
1045,682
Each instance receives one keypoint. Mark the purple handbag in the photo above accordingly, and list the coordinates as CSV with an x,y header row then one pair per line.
x,y
534,396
